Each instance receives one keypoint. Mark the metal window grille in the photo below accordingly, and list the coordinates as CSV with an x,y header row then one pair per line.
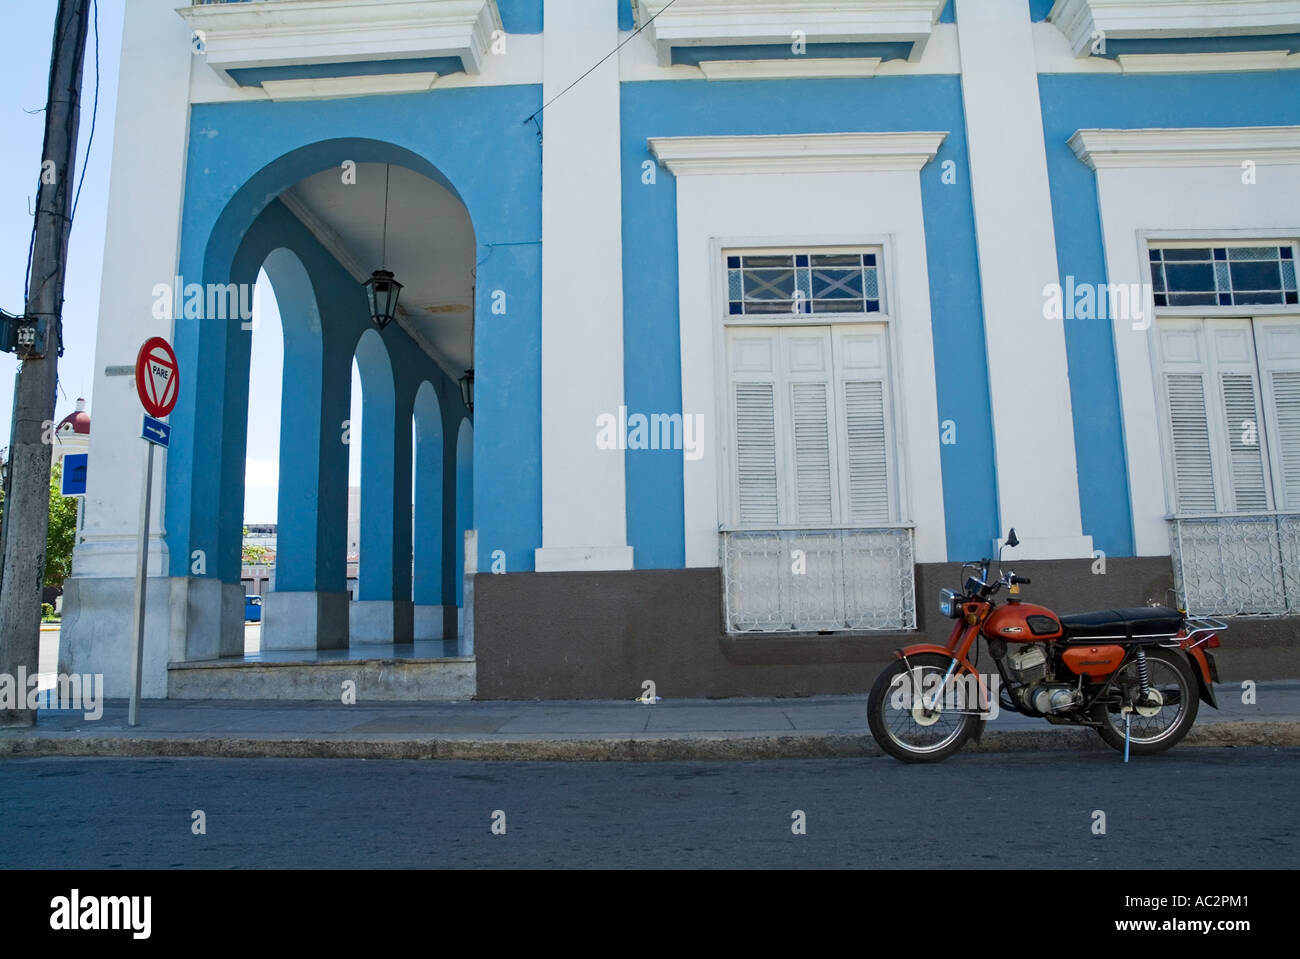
x,y
1237,565
818,580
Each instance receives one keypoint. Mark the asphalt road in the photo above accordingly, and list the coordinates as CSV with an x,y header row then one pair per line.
x,y
976,811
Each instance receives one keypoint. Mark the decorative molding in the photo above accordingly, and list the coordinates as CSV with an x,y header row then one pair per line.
x,y
799,153
1231,62
1081,20
800,68
274,33
1187,147
325,88
337,248
695,23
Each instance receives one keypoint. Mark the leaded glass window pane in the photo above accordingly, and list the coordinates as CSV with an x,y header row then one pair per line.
x,y
804,283
1223,276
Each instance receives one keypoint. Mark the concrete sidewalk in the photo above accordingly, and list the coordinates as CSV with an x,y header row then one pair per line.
x,y
820,727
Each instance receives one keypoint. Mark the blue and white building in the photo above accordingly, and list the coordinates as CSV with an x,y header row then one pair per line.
x,y
776,310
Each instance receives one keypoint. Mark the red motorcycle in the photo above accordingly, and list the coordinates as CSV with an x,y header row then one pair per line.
x,y
1134,675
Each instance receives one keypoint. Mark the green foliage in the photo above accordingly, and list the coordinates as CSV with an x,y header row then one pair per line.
x,y
253,555
47,613
62,535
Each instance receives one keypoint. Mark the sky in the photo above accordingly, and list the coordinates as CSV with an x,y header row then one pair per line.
x,y
25,40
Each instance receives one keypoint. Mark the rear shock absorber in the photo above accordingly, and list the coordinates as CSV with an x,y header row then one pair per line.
x,y
1144,674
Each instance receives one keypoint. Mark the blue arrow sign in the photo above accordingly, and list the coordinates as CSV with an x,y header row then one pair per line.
x,y
74,474
156,432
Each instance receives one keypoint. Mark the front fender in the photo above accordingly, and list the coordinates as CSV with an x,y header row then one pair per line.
x,y
907,652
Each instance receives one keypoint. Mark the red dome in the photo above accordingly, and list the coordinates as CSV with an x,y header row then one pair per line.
x,y
78,420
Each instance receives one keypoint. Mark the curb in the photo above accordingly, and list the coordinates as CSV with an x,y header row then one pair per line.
x,y
600,749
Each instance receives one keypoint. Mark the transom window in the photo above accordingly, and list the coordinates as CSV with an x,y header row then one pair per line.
x,y
804,282
1223,275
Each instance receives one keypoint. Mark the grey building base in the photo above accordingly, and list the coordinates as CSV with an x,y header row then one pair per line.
x,y
382,622
97,634
376,680
430,622
212,617
308,620
186,619
600,635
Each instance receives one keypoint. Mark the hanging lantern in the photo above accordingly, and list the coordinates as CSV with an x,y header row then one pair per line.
x,y
467,390
382,290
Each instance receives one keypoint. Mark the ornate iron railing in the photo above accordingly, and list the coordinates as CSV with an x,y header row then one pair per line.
x,y
1237,564
818,580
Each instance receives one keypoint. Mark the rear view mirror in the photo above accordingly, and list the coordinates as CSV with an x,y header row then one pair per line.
x,y
1011,538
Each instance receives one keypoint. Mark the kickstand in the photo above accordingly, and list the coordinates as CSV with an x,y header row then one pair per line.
x,y
1128,718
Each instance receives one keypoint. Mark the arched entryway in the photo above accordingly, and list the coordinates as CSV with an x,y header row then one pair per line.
x,y
316,239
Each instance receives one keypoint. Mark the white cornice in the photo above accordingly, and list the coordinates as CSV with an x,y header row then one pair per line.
x,y
1231,62
325,88
1203,147
800,68
1081,20
801,153
337,248
271,33
694,23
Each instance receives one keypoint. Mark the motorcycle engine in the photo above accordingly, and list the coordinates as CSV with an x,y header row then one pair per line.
x,y
1030,666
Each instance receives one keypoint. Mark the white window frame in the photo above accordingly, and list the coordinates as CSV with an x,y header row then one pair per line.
x,y
883,246
1191,239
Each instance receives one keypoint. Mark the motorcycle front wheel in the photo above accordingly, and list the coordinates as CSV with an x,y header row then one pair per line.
x,y
906,724
1162,720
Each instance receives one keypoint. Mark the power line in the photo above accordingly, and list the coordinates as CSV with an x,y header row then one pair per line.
x,y
531,118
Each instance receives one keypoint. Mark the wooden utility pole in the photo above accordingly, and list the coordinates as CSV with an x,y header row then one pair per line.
x,y
27,499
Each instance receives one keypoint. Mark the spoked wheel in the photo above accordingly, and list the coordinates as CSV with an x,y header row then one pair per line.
x,y
1161,719
905,718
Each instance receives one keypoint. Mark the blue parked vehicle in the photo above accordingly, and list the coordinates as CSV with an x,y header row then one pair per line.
x,y
252,609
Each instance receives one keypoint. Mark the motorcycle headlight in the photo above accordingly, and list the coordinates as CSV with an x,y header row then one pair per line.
x,y
948,602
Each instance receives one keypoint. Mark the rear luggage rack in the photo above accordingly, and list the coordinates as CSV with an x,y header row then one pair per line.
x,y
1203,627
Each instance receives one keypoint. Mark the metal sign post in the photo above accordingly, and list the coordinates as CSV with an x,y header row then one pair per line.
x,y
158,384
141,587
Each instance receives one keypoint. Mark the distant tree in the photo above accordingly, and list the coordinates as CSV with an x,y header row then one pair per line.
x,y
253,555
62,536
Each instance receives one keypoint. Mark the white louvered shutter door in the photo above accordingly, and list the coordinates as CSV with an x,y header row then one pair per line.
x,y
866,436
1278,342
1182,348
807,359
754,392
1232,352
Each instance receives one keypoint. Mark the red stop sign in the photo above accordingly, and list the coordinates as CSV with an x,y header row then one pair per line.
x,y
156,377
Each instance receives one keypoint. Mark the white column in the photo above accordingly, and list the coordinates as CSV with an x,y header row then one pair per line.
x,y
584,514
141,250
1038,489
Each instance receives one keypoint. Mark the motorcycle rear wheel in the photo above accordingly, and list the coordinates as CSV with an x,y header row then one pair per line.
x,y
911,734
1171,676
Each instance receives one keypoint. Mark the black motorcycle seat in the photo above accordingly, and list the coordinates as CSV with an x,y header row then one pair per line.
x,y
1120,625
